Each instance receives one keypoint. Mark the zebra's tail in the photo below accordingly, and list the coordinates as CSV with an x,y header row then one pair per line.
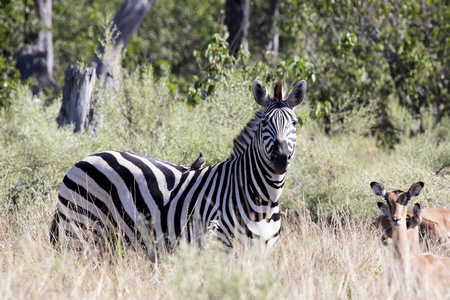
x,y
54,229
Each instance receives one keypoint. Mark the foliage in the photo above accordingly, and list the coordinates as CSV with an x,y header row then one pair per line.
x,y
352,53
77,28
171,31
377,52
217,64
18,24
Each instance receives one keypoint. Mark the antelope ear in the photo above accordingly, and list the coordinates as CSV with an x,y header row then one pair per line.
x,y
384,209
297,94
260,93
416,213
415,189
378,189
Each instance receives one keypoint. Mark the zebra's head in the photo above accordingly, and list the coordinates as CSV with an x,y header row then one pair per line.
x,y
277,125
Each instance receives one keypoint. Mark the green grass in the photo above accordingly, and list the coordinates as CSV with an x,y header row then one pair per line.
x,y
327,248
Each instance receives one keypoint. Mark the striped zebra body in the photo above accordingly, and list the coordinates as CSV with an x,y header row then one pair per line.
x,y
154,203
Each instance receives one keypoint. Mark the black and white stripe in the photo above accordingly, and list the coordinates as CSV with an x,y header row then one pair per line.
x,y
153,202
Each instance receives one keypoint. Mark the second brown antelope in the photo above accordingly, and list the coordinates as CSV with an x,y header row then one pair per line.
x,y
397,202
436,223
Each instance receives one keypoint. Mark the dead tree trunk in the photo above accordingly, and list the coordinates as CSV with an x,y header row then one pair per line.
x,y
36,60
76,105
237,13
125,23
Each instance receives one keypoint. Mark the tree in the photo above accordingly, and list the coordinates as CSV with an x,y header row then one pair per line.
x,y
267,31
237,14
77,107
125,23
372,53
36,60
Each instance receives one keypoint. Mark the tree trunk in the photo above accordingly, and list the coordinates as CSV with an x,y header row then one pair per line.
x,y
76,105
125,23
268,34
237,13
36,60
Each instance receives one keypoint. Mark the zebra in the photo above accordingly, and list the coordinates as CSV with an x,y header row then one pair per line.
x,y
154,203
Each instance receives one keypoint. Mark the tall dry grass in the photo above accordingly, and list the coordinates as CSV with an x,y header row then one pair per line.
x,y
340,260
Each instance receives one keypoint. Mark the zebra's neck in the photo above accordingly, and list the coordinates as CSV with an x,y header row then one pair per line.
x,y
243,141
261,185
247,192
268,183
257,204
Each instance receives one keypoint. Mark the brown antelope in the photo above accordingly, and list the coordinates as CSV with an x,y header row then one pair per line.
x,y
397,201
412,225
432,226
436,222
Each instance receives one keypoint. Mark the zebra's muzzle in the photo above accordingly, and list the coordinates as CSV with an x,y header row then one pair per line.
x,y
280,157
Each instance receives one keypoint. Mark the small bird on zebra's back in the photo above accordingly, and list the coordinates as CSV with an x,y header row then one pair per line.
x,y
198,163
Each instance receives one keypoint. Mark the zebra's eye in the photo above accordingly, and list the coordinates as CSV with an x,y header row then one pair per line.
x,y
264,122
294,122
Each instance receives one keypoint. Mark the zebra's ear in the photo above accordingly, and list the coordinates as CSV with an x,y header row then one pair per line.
x,y
260,93
297,94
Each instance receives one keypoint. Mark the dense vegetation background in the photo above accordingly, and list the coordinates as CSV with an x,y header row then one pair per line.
x,y
377,109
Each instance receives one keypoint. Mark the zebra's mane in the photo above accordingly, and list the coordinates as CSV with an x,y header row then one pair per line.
x,y
243,140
